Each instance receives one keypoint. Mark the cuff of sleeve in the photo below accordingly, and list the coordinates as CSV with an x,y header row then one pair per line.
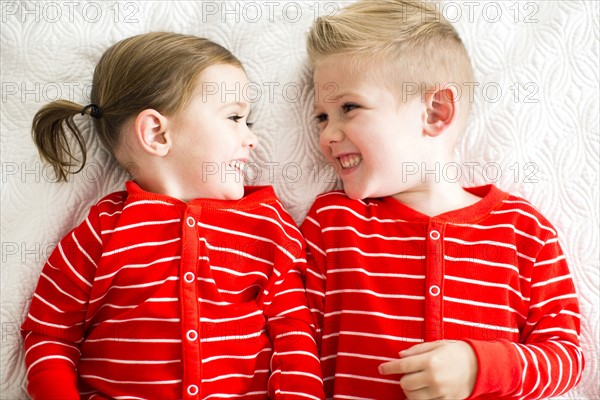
x,y
53,383
499,368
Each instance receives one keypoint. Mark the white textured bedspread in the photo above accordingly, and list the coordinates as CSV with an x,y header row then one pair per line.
x,y
534,129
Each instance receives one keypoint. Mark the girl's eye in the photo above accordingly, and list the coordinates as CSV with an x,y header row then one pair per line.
x,y
349,107
236,118
321,118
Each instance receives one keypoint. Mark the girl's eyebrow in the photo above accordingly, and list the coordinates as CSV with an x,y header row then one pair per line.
x,y
245,106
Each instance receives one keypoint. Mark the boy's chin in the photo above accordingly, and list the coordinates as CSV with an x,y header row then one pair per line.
x,y
356,194
361,193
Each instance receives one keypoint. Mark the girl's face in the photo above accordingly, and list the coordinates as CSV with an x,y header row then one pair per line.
x,y
211,136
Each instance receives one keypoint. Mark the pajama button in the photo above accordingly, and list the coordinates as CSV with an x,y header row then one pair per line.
x,y
192,390
434,290
190,222
435,235
189,277
192,335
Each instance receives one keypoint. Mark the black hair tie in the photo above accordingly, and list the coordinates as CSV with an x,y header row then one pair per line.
x,y
95,110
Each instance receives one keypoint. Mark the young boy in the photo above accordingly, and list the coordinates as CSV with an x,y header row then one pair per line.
x,y
423,289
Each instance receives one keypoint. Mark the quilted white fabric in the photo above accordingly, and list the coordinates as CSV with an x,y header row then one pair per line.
x,y
534,129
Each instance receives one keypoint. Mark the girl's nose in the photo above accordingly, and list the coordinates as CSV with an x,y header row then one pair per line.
x,y
251,140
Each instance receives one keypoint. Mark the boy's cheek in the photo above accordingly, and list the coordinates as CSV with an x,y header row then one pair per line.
x,y
326,151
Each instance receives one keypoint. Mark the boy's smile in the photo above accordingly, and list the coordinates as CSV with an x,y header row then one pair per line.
x,y
365,132
349,160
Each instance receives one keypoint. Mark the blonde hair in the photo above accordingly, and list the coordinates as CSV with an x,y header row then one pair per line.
x,y
411,40
157,70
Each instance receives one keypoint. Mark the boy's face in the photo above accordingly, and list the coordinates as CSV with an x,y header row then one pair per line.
x,y
374,140
211,141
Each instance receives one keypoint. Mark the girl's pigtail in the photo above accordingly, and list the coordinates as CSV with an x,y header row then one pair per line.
x,y
51,139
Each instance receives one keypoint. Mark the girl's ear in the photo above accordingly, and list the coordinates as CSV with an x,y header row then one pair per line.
x,y
441,110
151,132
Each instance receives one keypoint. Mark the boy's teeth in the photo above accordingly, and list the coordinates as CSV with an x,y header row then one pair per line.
x,y
350,161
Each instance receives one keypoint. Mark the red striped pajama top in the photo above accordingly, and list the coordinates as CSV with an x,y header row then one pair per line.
x,y
152,297
383,277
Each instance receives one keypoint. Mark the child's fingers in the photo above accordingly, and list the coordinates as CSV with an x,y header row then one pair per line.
x,y
420,394
421,348
413,382
402,366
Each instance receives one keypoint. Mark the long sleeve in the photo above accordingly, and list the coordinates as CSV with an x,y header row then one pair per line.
x,y
295,366
315,274
548,360
54,326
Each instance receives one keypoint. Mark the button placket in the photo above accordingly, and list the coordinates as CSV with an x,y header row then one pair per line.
x,y
190,312
434,281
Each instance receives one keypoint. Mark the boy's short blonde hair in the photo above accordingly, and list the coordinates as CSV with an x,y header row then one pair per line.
x,y
416,46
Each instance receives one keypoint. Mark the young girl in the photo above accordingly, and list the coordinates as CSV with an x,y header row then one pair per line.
x,y
186,284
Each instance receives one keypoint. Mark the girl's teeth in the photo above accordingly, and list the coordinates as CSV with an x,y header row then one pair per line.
x,y
350,161
237,165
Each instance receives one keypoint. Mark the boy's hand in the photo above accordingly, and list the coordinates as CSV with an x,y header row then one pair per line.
x,y
435,370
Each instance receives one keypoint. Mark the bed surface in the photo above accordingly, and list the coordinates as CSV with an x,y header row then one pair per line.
x,y
534,129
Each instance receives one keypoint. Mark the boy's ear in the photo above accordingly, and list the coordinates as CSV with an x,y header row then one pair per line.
x,y
151,132
441,109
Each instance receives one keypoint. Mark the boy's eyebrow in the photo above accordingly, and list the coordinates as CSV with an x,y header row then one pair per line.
x,y
333,99
343,94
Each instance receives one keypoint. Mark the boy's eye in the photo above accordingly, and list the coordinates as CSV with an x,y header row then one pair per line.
x,y
235,118
321,118
347,107
249,124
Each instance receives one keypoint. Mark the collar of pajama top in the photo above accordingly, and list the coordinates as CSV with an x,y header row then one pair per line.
x,y
253,197
491,198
